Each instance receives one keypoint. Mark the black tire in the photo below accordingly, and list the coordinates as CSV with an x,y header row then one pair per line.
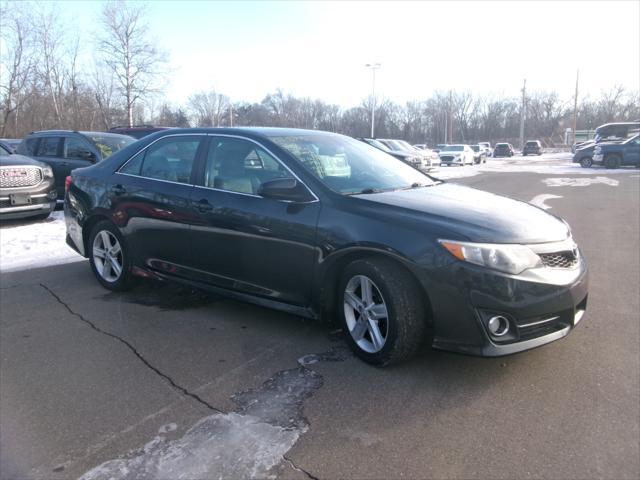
x,y
126,279
612,161
586,162
406,319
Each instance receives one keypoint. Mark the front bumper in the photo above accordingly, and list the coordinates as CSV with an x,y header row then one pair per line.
x,y
27,201
538,313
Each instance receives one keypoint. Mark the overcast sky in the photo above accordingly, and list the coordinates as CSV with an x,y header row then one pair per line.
x,y
319,49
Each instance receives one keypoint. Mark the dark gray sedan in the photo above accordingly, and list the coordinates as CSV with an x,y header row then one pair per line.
x,y
324,226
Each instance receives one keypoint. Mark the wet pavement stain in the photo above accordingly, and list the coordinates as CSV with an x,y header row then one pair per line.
x,y
245,443
165,296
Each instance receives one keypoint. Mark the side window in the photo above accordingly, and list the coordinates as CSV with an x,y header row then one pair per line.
x,y
240,166
75,148
170,159
48,147
28,147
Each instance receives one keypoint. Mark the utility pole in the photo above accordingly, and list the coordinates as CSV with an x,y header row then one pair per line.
x,y
522,112
450,117
575,107
230,114
373,67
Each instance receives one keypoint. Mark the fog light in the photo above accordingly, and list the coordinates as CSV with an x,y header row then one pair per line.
x,y
53,194
498,326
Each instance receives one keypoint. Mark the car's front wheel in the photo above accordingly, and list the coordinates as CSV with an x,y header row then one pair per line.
x,y
109,258
586,162
382,311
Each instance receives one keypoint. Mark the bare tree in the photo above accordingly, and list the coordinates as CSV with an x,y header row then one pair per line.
x,y
128,52
208,108
16,65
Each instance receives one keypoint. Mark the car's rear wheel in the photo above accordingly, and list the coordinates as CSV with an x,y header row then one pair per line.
x,y
109,258
382,311
586,162
612,161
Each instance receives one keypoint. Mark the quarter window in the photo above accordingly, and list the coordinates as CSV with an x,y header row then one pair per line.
x,y
169,159
240,166
48,147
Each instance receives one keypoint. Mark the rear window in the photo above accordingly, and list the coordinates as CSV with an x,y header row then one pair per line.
x,y
109,144
532,144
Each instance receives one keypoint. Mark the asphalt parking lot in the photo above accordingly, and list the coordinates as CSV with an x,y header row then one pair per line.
x,y
164,380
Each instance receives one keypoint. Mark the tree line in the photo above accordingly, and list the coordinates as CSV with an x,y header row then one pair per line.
x,y
43,85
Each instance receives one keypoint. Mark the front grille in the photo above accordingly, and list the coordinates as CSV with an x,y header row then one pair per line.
x,y
566,259
447,158
19,176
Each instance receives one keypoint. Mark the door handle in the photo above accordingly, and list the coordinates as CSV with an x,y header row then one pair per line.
x,y
118,190
203,206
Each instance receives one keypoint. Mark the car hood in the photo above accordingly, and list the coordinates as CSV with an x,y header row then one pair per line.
x,y
19,160
477,215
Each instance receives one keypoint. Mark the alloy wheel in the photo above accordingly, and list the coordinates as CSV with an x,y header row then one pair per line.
x,y
366,314
107,256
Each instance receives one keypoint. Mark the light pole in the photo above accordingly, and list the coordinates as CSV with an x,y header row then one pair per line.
x,y
373,67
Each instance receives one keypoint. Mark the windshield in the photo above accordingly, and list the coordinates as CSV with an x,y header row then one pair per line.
x,y
453,148
349,166
110,144
476,148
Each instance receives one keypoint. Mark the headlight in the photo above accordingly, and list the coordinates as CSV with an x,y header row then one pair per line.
x,y
512,259
47,172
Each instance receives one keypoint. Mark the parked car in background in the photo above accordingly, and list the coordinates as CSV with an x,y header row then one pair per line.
x,y
439,147
457,155
616,131
10,143
430,159
65,150
487,148
579,145
421,146
137,131
27,187
479,154
410,158
388,250
503,150
617,154
532,147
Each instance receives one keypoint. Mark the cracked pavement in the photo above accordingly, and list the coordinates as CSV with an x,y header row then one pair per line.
x,y
88,376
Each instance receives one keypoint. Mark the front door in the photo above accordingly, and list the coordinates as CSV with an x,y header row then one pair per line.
x,y
245,242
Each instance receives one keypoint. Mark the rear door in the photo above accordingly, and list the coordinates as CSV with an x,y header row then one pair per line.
x,y
632,152
150,198
49,151
76,153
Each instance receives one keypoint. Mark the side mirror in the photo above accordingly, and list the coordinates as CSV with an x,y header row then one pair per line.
x,y
288,189
87,155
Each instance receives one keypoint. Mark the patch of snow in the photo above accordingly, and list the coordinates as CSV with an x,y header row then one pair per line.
x,y
579,182
218,446
35,243
246,443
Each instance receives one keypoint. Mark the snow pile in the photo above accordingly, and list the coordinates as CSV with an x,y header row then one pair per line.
x,y
34,243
